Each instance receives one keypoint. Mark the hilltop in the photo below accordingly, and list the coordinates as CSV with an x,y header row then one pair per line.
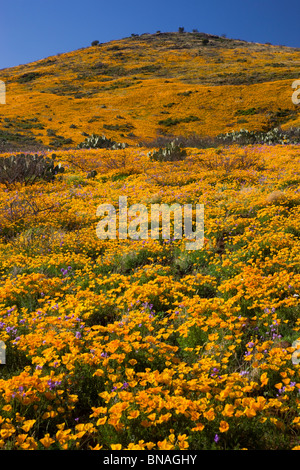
x,y
144,86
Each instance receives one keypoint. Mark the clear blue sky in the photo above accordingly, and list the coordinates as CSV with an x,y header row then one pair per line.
x,y
35,29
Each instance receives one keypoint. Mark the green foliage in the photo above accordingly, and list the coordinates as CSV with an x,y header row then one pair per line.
x,y
174,121
92,174
118,127
185,93
172,152
60,141
28,77
21,124
278,117
100,142
168,105
246,112
15,139
272,137
27,168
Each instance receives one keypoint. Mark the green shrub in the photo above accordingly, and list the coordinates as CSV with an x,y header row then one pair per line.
x,y
28,77
20,124
96,141
185,93
92,174
28,168
9,141
118,127
272,137
171,153
60,141
173,122
246,112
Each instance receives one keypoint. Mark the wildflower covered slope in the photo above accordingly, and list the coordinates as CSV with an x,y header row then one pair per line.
x,y
124,344
136,88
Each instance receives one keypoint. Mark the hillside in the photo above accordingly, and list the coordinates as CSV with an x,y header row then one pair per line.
x,y
141,343
137,88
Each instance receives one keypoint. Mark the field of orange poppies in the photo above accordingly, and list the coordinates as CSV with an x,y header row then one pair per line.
x,y
142,344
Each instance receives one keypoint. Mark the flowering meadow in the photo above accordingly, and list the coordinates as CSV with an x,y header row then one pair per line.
x,y
142,344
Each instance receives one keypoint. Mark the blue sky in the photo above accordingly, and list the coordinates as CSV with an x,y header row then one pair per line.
x,y
35,29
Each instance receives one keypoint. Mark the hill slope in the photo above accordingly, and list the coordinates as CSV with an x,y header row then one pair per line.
x,y
141,344
139,87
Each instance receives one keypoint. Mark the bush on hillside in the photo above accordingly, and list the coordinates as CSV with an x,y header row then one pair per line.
x,y
272,137
100,142
173,151
27,169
